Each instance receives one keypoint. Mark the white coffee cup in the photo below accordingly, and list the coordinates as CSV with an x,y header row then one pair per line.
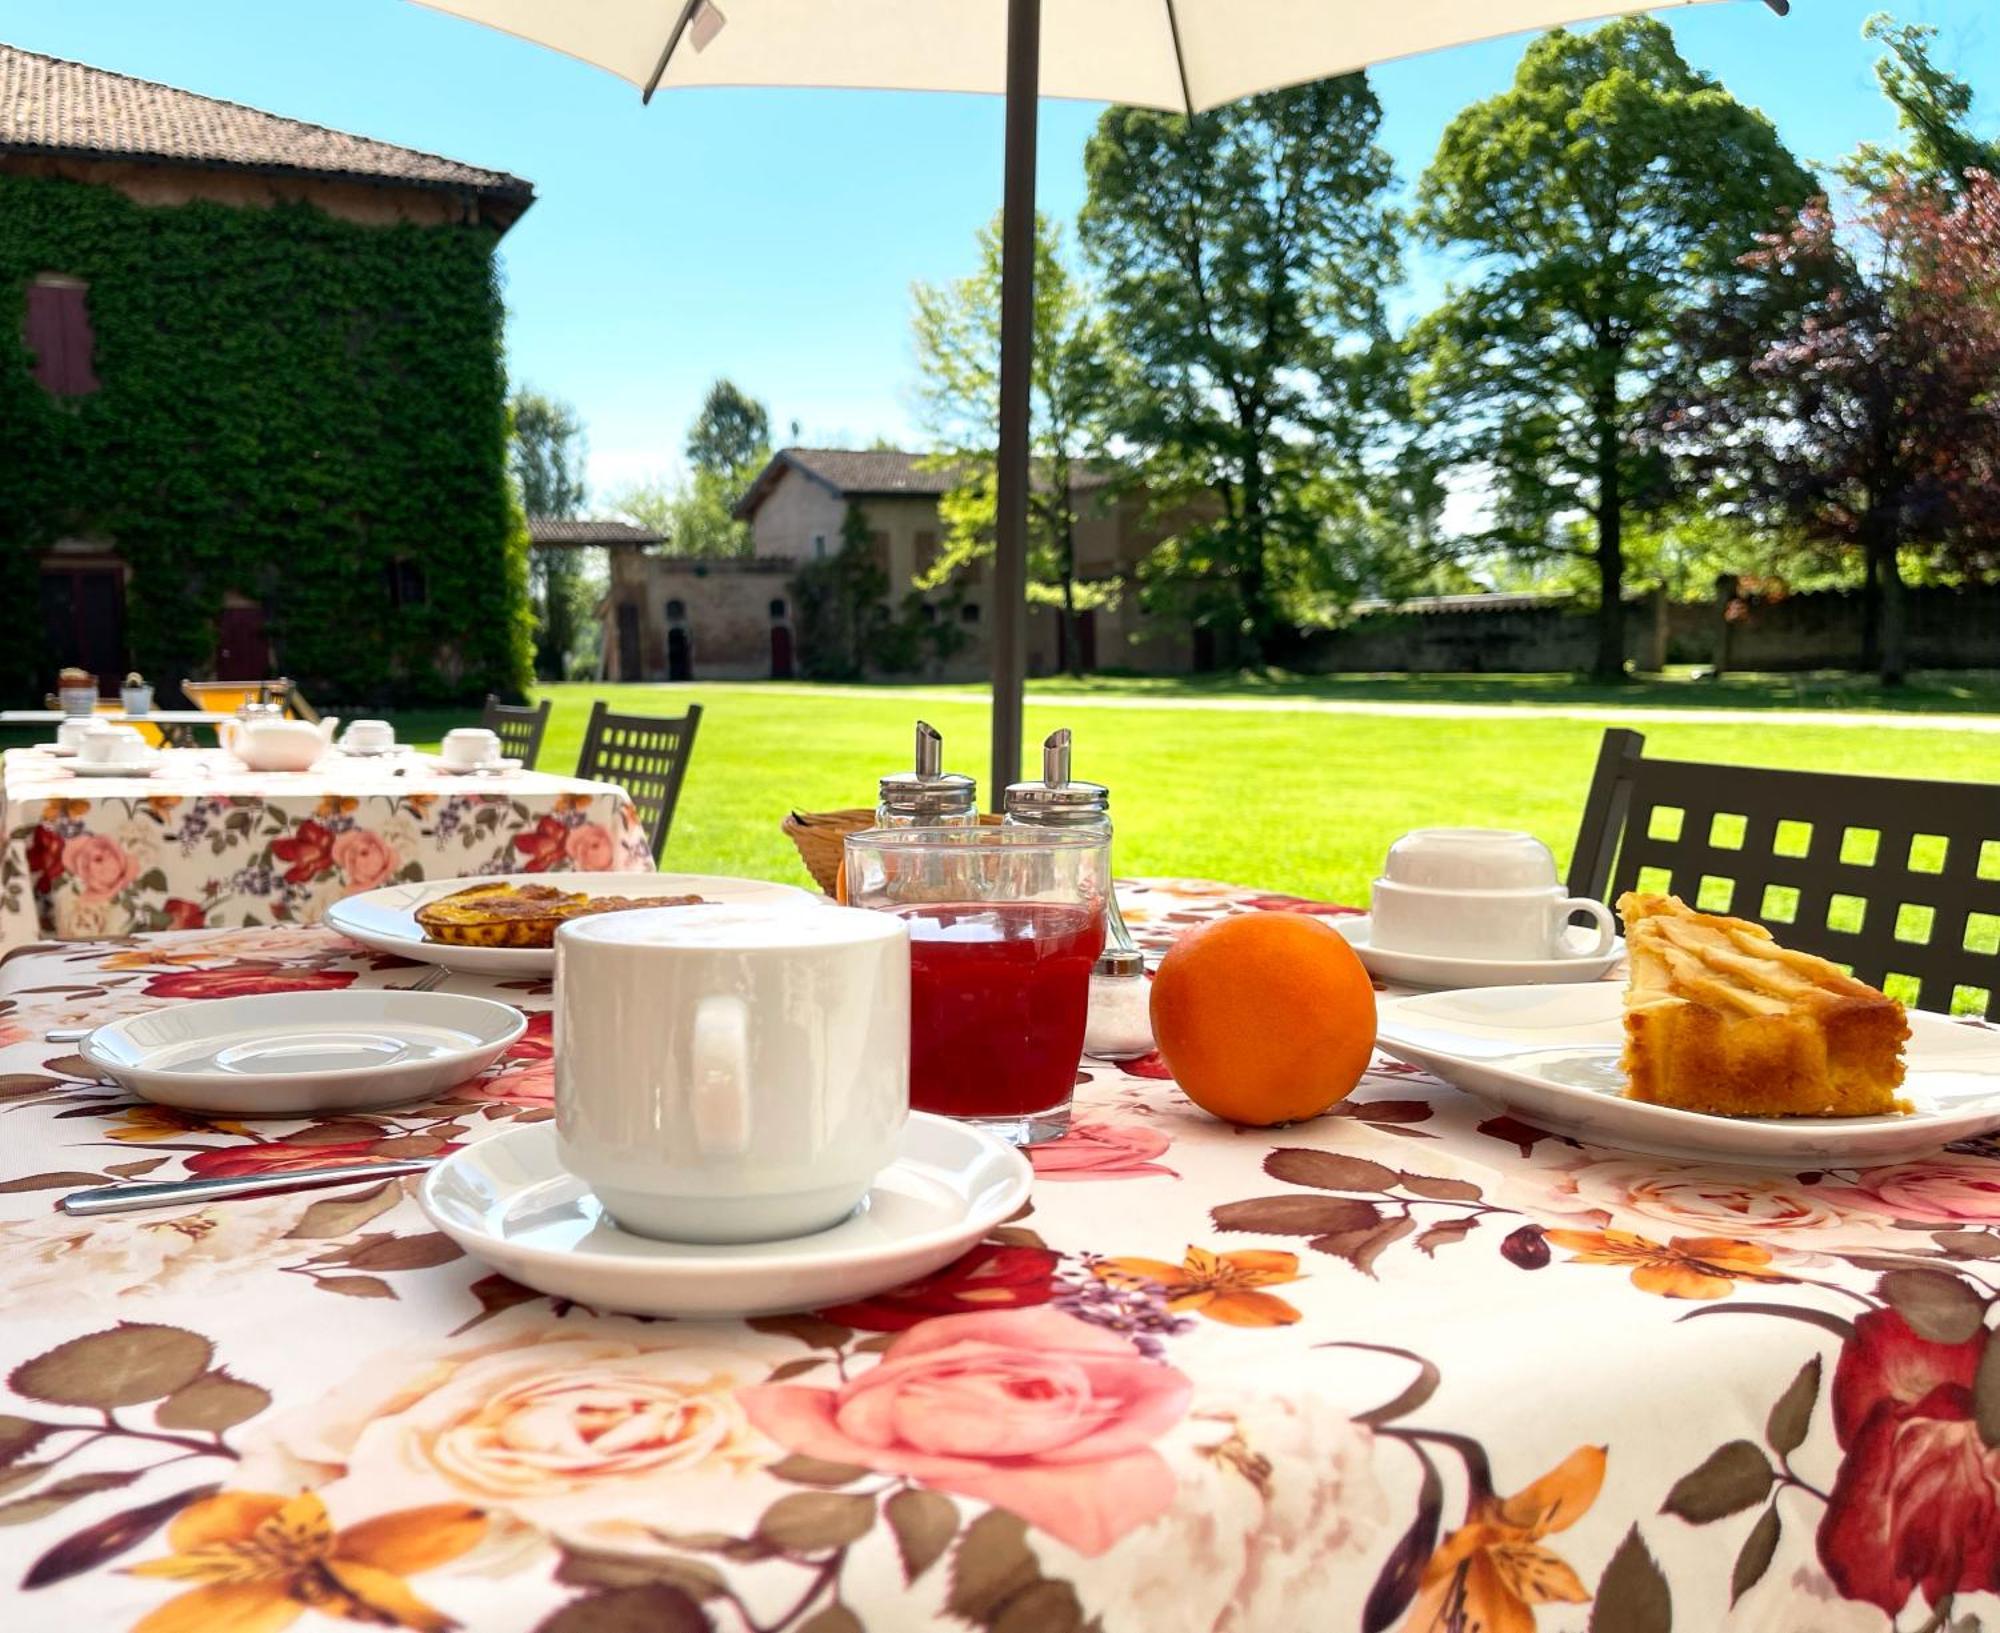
x,y
731,1072
1479,893
111,745
71,733
370,736
469,746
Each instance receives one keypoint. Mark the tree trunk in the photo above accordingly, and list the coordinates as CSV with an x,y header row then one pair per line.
x,y
1893,609
1609,663
1072,641
1870,659
1253,591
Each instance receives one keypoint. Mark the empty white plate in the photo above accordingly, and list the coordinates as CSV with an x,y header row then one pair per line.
x,y
1550,1056
386,919
1431,970
507,1201
285,1054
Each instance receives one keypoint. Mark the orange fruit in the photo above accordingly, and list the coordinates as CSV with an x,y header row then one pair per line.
x,y
1264,1018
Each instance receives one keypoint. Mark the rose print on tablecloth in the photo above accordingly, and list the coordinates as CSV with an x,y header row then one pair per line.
x,y
1944,1190
307,852
100,866
1099,1150
543,846
245,980
365,859
1032,1411
989,1276
590,849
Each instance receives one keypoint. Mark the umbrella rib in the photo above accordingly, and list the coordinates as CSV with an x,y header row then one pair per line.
x,y
1180,60
667,54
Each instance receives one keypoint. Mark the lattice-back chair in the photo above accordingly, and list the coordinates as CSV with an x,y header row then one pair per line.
x,y
646,755
1897,879
519,729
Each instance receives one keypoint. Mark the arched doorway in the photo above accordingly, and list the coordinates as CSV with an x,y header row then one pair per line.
x,y
781,641
680,654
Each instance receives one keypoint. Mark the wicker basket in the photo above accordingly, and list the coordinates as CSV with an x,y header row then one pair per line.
x,y
818,835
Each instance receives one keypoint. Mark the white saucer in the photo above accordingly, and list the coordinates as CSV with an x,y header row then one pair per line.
x,y
1550,1056
386,919
62,751
1432,970
371,753
508,1201
283,1054
485,768
145,766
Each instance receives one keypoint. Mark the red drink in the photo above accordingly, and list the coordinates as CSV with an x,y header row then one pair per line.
x,y
998,996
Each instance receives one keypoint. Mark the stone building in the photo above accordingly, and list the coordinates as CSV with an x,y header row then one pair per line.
x,y
280,316
691,618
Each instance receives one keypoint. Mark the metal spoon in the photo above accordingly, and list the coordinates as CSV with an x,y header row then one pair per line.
x,y
168,1193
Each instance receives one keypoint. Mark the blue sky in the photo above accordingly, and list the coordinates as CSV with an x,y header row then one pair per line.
x,y
772,235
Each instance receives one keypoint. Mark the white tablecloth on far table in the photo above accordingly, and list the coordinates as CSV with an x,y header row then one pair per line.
x,y
206,842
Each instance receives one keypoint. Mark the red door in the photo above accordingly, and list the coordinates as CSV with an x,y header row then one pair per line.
x,y
781,652
242,648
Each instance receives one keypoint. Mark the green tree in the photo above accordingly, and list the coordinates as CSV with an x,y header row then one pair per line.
x,y
732,433
1933,111
956,329
728,441
1605,197
545,454
1244,253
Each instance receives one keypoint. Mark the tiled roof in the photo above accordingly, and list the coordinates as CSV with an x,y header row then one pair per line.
x,y
871,472
48,105
881,473
564,530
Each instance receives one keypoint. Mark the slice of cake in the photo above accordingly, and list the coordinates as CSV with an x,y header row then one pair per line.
x,y
1720,1018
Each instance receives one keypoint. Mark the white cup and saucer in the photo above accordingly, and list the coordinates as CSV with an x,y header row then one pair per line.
x,y
107,750
732,1133
1476,907
70,735
473,750
365,739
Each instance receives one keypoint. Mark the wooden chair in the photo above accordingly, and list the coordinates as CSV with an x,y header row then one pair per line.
x,y
519,729
646,755
1897,879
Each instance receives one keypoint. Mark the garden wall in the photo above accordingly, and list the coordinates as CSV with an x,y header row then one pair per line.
x,y
1947,629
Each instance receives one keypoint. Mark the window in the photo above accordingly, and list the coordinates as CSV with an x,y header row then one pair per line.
x,y
819,547
930,612
676,610
926,551
406,583
878,549
57,331
969,613
777,608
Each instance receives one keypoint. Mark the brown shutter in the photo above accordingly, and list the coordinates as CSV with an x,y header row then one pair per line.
x,y
57,331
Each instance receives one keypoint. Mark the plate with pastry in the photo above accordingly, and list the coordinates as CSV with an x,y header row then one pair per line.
x,y
506,924
1722,1045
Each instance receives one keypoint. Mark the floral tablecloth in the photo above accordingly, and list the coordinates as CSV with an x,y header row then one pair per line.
x,y
1413,1365
205,842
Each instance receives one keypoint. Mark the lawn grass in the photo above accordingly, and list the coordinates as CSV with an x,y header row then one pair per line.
x,y
1291,800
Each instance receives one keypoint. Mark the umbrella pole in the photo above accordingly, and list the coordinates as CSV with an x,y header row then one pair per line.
x,y
1017,343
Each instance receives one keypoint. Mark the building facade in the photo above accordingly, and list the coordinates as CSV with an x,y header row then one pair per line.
x,y
693,618
252,402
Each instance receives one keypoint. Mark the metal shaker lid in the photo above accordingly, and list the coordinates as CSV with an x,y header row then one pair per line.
x,y
928,790
1056,794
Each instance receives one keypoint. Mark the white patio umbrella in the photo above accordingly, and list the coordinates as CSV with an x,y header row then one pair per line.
x,y
1180,55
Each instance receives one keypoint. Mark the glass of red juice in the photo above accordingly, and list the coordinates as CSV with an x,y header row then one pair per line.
x,y
1005,924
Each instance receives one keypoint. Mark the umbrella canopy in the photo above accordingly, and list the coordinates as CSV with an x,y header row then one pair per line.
x,y
1181,55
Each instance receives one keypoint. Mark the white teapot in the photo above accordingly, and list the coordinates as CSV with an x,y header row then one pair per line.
x,y
278,745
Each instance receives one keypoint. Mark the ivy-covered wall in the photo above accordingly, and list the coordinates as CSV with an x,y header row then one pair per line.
x,y
288,404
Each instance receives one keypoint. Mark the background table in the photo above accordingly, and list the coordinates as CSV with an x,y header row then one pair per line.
x,y
1410,1365
205,842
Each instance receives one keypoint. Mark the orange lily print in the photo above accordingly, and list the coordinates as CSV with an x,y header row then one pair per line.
x,y
1693,1267
150,1122
262,1560
1223,1287
1491,1572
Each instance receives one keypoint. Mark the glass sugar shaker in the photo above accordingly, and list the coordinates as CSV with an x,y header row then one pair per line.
x,y
928,796
1119,1027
